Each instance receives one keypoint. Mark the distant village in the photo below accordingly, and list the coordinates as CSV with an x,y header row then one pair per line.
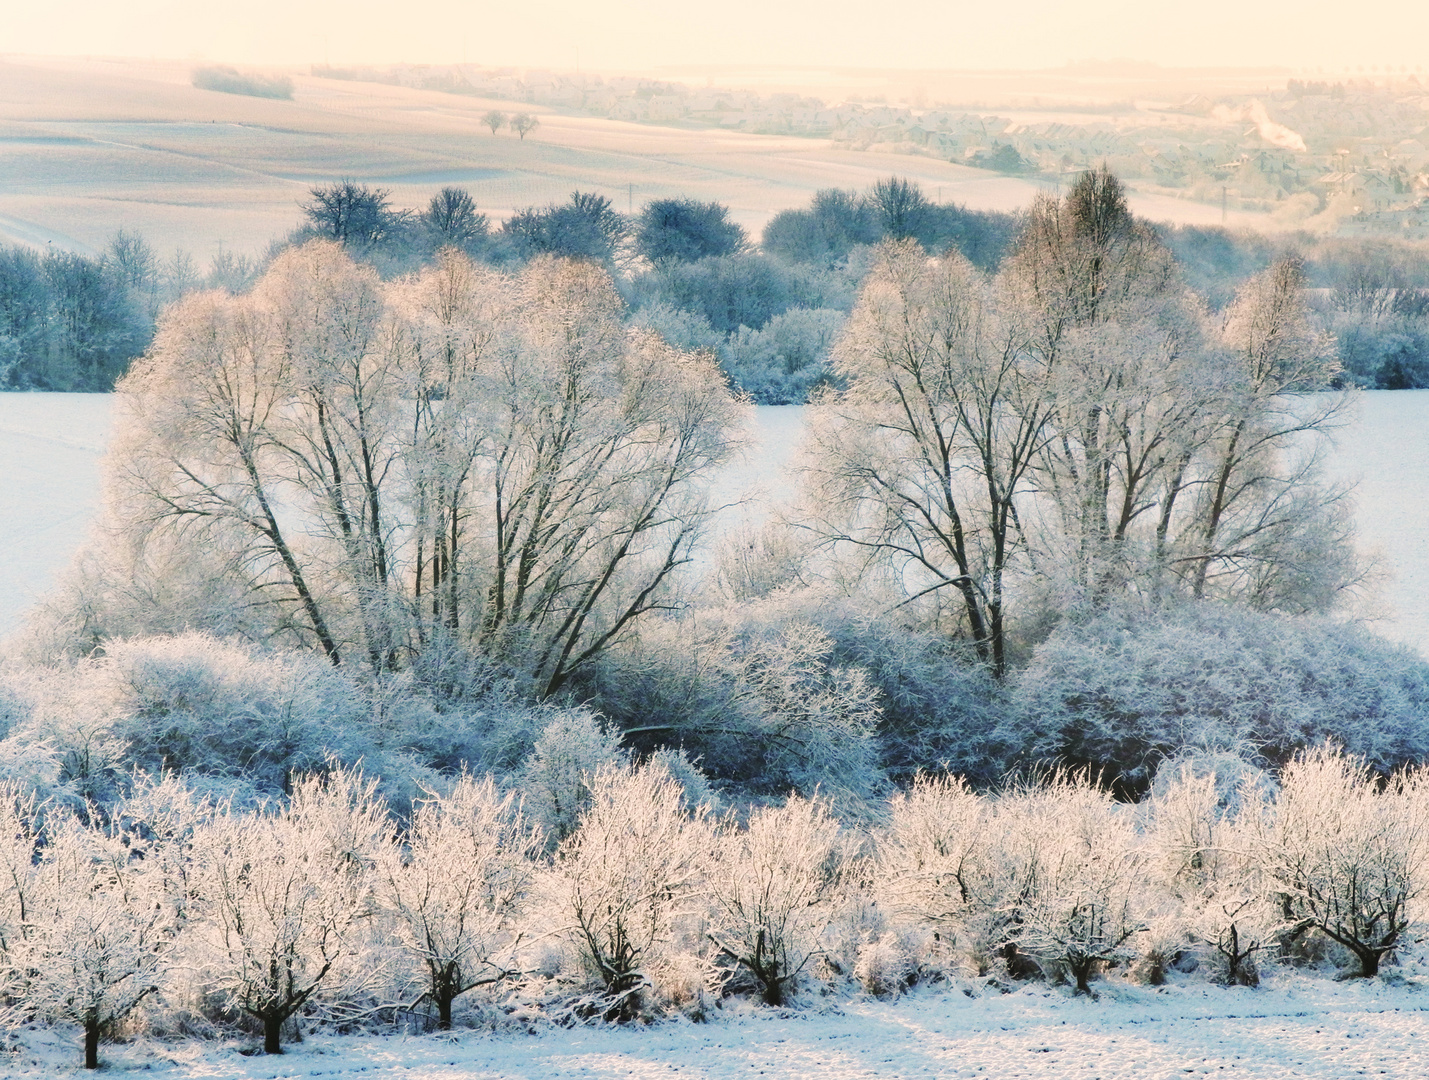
x,y
1350,158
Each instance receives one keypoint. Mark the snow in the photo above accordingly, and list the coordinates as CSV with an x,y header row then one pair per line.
x,y
50,445
1296,1025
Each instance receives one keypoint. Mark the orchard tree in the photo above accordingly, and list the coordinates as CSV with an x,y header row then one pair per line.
x,y
523,123
495,120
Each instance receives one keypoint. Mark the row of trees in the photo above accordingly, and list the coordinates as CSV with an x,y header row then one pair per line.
x,y
324,908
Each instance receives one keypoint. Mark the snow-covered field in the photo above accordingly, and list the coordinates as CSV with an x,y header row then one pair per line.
x,y
1295,1026
50,446
91,146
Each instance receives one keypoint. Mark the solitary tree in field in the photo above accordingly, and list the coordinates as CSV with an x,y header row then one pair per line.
x,y
495,120
524,123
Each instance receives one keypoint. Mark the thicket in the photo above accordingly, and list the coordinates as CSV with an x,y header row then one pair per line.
x,y
167,912
228,80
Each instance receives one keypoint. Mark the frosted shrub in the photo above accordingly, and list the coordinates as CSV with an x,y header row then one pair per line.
x,y
1125,690
934,863
1345,859
627,875
1072,873
455,894
755,696
771,887
100,931
281,897
885,965
555,779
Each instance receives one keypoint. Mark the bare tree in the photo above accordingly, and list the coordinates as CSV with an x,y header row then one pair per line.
x,y
452,218
495,120
921,459
524,123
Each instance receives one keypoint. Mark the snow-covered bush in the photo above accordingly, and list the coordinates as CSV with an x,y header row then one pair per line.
x,y
625,878
1070,879
1345,858
281,897
454,894
556,778
1125,690
752,694
100,929
771,886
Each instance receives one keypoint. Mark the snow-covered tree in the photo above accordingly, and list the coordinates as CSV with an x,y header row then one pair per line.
x,y
626,876
101,928
1344,858
772,884
455,893
282,895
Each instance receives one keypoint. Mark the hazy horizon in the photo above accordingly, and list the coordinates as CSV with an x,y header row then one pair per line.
x,y
1380,37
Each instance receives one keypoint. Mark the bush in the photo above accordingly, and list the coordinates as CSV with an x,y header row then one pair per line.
x,y
1123,691
227,80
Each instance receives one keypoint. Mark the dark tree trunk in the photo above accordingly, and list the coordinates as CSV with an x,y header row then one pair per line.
x,y
91,1044
272,1027
444,1012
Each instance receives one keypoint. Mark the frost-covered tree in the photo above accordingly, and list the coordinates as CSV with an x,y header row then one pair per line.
x,y
102,927
454,890
628,874
771,884
1071,875
919,462
281,896
455,455
1344,858
686,229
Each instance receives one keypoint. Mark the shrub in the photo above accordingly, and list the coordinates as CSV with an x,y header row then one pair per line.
x,y
1123,691
771,885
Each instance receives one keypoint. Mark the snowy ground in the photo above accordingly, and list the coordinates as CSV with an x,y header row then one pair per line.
x,y
1296,1026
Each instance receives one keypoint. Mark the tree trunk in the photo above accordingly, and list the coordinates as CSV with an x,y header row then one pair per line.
x,y
91,1044
444,1012
272,1027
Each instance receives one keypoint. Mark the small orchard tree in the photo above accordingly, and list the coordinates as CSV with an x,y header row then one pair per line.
x,y
1076,873
1345,859
282,896
495,120
932,861
102,929
455,892
625,878
523,123
771,885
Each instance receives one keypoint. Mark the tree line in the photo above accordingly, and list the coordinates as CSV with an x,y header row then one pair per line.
x,y
179,913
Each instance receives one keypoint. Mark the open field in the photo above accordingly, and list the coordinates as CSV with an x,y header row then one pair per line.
x,y
88,147
50,446
1294,1026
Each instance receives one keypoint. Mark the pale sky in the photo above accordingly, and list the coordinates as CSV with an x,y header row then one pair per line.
x,y
647,34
